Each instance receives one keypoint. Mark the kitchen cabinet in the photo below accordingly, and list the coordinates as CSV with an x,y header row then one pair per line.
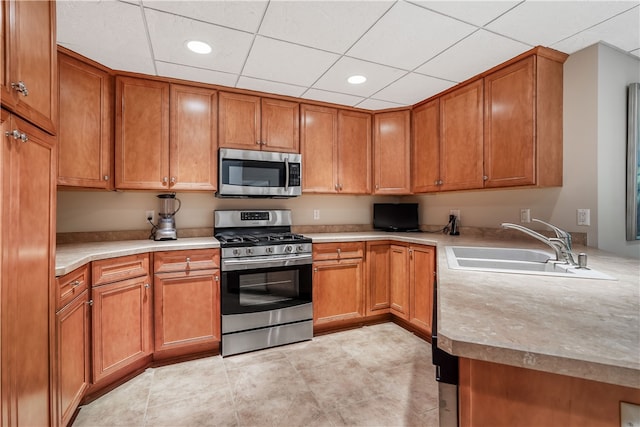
x,y
339,138
85,130
500,395
27,240
461,141
28,68
121,317
253,123
187,302
399,281
391,150
425,147
338,283
165,136
523,123
72,343
378,276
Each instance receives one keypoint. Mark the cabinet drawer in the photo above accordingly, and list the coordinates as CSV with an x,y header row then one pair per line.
x,y
343,250
199,259
115,269
71,285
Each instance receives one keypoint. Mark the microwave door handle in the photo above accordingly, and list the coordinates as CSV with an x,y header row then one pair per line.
x,y
286,174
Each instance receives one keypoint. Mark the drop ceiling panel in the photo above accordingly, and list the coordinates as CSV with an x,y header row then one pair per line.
x,y
474,12
378,76
202,75
241,15
375,104
477,53
286,62
324,25
403,91
622,31
270,87
408,35
336,98
547,22
169,34
111,33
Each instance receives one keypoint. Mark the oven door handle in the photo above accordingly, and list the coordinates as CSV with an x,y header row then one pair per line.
x,y
265,262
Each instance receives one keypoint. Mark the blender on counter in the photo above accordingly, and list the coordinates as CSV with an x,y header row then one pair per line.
x,y
166,227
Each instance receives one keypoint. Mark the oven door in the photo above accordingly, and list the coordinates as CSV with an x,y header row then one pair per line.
x,y
264,284
247,173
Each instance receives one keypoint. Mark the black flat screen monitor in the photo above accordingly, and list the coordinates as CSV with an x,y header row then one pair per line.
x,y
395,216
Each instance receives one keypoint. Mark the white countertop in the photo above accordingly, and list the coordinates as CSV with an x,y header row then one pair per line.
x,y
585,328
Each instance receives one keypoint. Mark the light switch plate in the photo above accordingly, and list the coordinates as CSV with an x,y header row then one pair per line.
x,y
629,415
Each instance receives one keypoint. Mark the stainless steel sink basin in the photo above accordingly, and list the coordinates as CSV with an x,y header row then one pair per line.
x,y
509,260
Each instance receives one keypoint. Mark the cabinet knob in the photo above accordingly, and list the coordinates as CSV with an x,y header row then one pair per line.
x,y
147,286
485,177
188,261
16,134
440,182
377,186
173,179
216,278
336,187
315,270
90,302
258,143
75,284
165,179
106,177
20,87
340,187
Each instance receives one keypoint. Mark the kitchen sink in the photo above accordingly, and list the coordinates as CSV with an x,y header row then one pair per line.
x,y
515,260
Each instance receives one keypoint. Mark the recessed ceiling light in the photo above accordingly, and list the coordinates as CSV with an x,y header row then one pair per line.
x,y
356,80
198,47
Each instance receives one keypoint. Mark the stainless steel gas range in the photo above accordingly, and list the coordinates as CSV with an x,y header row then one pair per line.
x,y
266,292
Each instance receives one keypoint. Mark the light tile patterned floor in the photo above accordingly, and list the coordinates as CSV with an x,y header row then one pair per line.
x,y
378,375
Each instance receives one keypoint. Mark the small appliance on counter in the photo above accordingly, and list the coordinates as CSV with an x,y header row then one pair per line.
x,y
166,227
395,217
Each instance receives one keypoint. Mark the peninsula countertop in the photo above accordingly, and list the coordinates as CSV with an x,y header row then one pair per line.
x,y
586,328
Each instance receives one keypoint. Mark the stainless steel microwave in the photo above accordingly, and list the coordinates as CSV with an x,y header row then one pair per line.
x,y
249,173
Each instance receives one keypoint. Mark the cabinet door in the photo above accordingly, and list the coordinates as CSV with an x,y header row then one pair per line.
x,y
239,121
461,149
280,125
421,275
27,203
121,325
72,356
392,167
85,131
142,134
29,69
509,148
186,312
319,148
337,290
399,281
354,152
425,158
193,157
378,278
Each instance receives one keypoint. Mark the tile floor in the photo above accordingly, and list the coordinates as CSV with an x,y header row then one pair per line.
x,y
378,375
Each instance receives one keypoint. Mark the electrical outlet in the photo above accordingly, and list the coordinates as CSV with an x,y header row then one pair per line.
x,y
150,216
584,216
316,214
629,415
525,215
455,212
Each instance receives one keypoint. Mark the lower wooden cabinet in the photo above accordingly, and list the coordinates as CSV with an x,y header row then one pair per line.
x,y
399,280
338,283
377,295
122,316
186,302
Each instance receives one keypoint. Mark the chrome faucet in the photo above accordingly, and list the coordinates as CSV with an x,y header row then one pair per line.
x,y
561,244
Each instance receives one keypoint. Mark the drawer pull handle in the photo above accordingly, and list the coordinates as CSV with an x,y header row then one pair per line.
x,y
188,262
16,134
20,87
75,284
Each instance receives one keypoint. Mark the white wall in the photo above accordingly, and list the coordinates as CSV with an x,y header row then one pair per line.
x,y
594,137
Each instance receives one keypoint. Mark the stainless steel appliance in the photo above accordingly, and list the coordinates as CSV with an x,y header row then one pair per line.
x,y
166,227
265,291
248,173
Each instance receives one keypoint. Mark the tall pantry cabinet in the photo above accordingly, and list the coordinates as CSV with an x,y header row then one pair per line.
x,y
28,93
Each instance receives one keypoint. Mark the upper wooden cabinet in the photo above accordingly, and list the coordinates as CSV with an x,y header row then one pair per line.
x,y
163,145
28,72
392,158
461,138
254,123
85,130
502,130
523,123
336,150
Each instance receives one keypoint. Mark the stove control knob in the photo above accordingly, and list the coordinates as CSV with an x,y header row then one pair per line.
x,y
270,249
236,252
249,251
300,248
288,248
